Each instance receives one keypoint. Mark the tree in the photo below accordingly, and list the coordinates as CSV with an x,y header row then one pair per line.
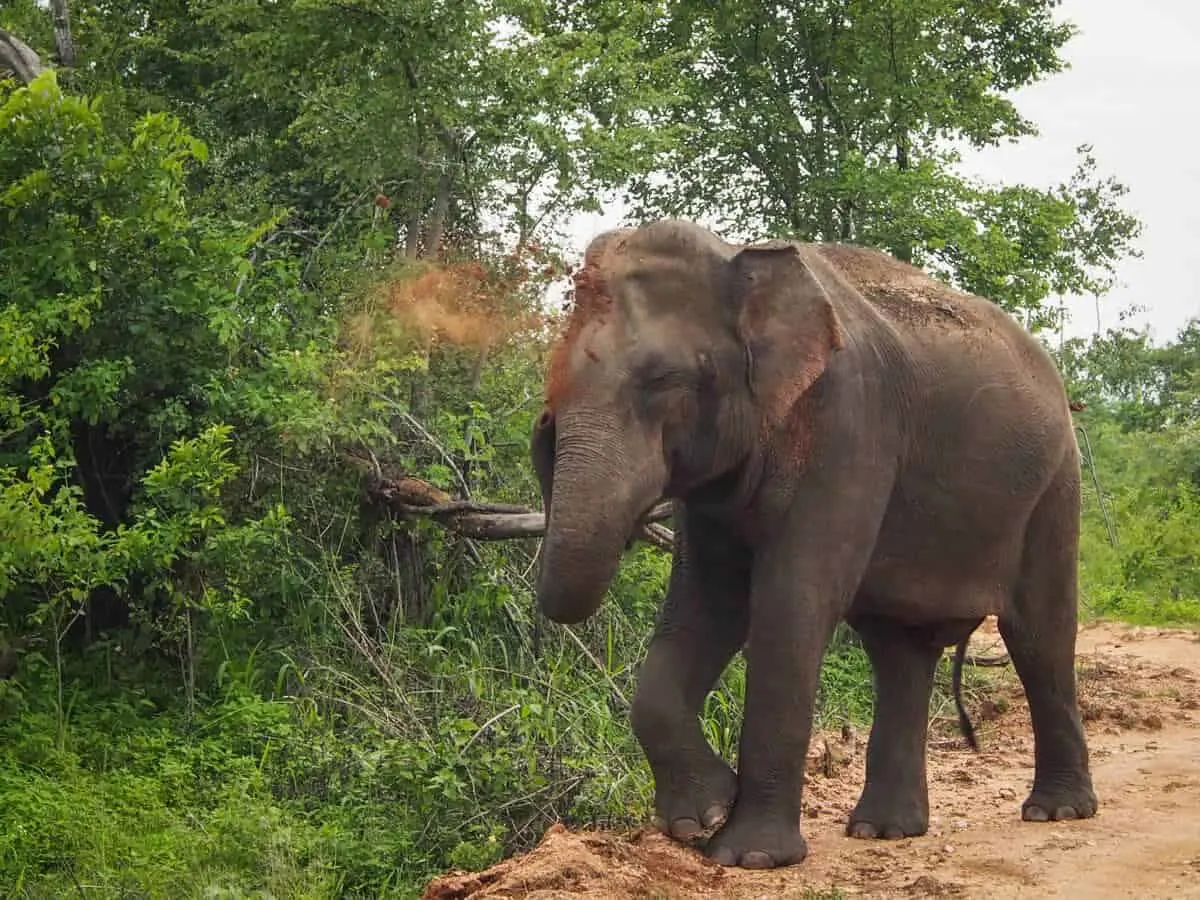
x,y
1140,435
459,124
133,326
1142,386
839,120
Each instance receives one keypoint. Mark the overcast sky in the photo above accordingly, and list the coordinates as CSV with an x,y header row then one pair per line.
x,y
1131,92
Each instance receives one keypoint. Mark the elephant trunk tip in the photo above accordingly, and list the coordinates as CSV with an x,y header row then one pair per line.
x,y
567,606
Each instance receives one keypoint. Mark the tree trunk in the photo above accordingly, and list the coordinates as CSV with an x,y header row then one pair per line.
x,y
412,235
62,32
416,209
437,219
902,249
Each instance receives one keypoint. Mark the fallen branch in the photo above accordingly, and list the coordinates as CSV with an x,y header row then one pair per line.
x,y
408,496
405,495
1001,659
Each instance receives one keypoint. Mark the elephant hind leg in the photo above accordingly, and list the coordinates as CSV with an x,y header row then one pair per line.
x,y
1039,628
895,799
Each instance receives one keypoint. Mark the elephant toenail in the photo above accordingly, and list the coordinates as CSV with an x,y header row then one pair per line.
x,y
1035,814
682,829
723,856
1065,812
713,815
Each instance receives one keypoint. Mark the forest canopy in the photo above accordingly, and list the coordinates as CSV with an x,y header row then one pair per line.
x,y
274,278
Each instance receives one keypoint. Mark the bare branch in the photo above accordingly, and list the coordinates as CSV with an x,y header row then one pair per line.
x,y
408,496
660,536
18,57
22,61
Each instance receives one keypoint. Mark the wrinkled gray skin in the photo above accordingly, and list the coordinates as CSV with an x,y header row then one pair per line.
x,y
843,438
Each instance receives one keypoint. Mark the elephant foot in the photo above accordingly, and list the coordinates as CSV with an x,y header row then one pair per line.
x,y
887,819
751,842
1070,799
886,830
687,804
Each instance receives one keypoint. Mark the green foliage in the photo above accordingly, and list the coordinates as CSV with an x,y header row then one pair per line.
x,y
843,121
133,799
846,693
830,893
123,312
1141,386
1140,435
1139,560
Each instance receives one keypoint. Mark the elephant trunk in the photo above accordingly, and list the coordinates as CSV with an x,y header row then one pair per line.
x,y
594,506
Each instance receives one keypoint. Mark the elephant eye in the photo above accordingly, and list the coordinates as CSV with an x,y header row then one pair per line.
x,y
653,371
662,378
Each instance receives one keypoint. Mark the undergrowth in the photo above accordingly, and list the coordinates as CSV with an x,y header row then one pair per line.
x,y
360,774
1139,553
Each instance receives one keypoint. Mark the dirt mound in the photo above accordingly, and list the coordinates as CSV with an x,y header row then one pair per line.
x,y
644,865
1140,698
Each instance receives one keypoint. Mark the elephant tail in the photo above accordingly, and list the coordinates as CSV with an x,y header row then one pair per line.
x,y
964,721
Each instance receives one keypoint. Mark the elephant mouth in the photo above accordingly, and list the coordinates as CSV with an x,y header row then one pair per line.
x,y
657,511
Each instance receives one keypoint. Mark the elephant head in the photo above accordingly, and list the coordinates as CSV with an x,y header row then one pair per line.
x,y
681,354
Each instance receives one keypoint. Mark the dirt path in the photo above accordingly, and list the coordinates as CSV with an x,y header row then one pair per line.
x,y
1140,694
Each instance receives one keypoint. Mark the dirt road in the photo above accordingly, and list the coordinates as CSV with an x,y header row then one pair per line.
x,y
1140,694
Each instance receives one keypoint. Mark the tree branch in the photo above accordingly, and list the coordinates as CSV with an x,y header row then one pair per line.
x,y
17,57
407,496
22,61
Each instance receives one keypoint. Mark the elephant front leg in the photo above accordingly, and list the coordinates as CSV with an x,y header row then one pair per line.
x,y
895,800
802,584
783,661
701,627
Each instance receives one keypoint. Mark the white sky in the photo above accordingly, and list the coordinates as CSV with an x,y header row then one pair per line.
x,y
1130,92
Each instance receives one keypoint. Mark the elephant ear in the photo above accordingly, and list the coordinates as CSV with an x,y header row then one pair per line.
x,y
786,322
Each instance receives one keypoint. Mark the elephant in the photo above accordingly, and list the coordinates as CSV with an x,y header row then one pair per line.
x,y
842,437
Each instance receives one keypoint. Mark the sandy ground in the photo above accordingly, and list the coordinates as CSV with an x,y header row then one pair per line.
x,y
1140,694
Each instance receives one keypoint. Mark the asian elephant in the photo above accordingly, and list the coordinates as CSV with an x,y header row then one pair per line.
x,y
843,438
